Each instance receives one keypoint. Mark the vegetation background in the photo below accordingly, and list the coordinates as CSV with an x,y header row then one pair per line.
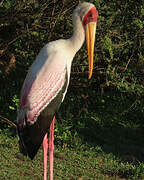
x,y
102,117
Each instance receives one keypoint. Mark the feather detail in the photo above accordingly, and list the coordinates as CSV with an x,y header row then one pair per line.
x,y
37,101
42,84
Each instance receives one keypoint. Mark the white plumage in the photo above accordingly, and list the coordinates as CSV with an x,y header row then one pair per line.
x,y
46,83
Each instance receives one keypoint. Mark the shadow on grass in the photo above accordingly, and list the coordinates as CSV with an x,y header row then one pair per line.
x,y
126,143
116,123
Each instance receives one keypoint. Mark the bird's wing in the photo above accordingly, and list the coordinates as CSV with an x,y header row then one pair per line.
x,y
45,79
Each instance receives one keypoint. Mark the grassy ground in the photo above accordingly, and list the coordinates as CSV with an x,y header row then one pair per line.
x,y
105,143
70,164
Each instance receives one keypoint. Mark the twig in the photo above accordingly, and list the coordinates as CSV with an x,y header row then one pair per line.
x,y
60,14
1,2
12,41
8,121
53,11
127,110
11,63
129,59
127,64
54,23
64,12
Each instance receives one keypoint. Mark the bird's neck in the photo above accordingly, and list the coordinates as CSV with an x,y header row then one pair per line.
x,y
78,36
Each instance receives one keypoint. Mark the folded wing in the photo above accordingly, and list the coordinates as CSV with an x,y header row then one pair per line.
x,y
44,81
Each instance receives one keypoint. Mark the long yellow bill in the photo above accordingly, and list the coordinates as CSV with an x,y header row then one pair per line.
x,y
90,39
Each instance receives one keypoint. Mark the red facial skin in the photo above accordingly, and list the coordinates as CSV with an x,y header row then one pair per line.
x,y
91,16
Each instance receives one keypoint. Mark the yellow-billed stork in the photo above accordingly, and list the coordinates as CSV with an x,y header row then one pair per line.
x,y
46,84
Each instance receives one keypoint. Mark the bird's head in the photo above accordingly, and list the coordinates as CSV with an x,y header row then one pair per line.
x,y
89,15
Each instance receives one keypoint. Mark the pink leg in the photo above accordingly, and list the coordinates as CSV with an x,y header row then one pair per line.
x,y
51,149
45,147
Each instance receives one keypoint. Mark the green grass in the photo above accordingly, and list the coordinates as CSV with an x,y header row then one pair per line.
x,y
110,160
99,138
81,163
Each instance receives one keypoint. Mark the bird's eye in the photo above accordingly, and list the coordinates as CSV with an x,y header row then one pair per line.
x,y
90,15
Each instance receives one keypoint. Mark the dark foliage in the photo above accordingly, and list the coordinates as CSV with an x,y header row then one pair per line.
x,y
26,26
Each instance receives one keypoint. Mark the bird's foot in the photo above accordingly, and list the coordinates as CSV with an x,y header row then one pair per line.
x,y
45,147
51,148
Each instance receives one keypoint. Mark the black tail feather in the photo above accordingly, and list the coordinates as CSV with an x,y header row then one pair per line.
x,y
30,139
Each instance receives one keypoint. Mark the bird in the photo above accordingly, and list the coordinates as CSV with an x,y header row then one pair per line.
x,y
46,84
